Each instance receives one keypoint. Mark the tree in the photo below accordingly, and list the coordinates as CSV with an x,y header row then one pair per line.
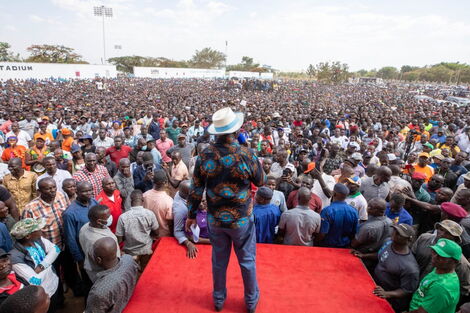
x,y
311,72
207,58
408,68
53,54
247,64
339,72
388,72
6,55
361,73
330,73
127,63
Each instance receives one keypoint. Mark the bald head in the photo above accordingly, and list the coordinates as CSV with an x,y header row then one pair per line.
x,y
15,161
104,250
376,207
383,175
304,195
184,189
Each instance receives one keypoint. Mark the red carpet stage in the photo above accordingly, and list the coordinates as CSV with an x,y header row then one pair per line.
x,y
291,279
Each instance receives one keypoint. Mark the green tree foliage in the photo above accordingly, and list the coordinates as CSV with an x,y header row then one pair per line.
x,y
247,64
53,54
446,72
408,68
127,63
333,72
207,58
388,72
311,72
6,55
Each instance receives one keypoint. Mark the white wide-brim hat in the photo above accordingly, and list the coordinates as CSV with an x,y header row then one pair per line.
x,y
225,121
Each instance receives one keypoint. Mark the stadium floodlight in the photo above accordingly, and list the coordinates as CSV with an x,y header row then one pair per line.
x,y
103,12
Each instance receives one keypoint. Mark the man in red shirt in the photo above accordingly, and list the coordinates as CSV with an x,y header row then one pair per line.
x,y
9,282
118,151
314,204
111,197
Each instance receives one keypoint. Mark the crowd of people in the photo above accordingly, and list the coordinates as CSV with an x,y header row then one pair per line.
x,y
93,177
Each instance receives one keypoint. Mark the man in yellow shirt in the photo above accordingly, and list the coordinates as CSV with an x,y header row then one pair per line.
x,y
451,145
21,183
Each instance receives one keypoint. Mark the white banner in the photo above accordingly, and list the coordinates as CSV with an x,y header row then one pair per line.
x,y
167,72
241,74
18,70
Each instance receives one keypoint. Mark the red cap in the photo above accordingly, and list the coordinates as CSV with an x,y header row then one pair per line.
x,y
454,210
418,176
310,167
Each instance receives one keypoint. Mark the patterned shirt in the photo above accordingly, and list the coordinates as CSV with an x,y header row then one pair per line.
x,y
23,189
225,172
114,287
332,164
94,178
38,208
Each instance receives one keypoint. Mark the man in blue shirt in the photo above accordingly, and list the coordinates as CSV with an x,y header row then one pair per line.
x,y
143,174
396,212
75,217
440,137
5,239
339,221
267,216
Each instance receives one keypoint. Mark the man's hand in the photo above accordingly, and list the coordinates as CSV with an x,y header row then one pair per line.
x,y
38,269
316,174
380,292
192,250
408,192
189,222
148,176
357,254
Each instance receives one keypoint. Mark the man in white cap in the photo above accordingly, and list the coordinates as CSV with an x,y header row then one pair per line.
x,y
359,170
225,170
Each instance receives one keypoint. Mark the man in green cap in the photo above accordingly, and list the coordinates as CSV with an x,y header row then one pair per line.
x,y
439,291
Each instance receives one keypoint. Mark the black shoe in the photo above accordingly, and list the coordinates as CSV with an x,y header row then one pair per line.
x,y
218,307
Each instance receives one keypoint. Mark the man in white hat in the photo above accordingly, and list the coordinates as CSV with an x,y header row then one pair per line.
x,y
225,170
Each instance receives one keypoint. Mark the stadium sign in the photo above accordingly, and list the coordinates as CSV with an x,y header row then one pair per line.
x,y
19,70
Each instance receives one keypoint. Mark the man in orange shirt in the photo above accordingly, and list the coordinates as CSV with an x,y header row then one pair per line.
x,y
14,151
160,203
43,133
423,167
68,139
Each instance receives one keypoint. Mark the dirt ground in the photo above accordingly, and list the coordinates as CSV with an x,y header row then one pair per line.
x,y
72,304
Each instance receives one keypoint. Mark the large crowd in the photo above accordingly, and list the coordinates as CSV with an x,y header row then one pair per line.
x,y
95,172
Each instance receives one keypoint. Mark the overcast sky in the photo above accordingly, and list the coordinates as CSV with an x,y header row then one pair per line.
x,y
286,34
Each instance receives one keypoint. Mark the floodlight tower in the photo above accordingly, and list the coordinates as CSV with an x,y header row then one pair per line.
x,y
103,12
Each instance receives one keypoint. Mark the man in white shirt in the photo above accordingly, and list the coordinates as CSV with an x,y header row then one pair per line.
x,y
23,137
282,163
58,175
102,140
323,184
342,141
195,131
355,198
29,124
463,140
